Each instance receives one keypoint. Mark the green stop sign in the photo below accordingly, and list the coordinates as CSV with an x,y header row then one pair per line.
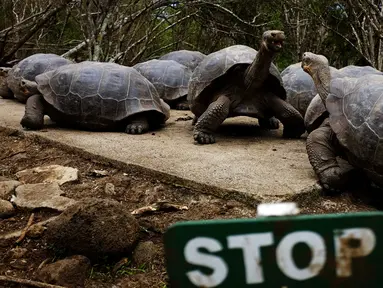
x,y
340,250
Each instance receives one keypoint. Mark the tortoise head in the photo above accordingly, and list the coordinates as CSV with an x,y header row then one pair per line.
x,y
273,40
28,87
314,63
4,71
318,68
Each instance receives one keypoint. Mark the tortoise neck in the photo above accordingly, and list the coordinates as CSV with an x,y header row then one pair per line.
x,y
258,71
322,83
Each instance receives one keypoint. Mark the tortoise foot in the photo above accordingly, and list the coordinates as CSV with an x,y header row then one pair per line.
x,y
270,123
203,138
32,123
34,113
336,179
137,128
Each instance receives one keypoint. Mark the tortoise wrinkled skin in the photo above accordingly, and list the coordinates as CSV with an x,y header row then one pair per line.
x,y
170,78
99,96
190,59
353,130
29,68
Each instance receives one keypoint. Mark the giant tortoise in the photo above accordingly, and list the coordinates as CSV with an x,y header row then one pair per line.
x,y
95,96
28,68
316,111
188,58
170,78
239,81
354,128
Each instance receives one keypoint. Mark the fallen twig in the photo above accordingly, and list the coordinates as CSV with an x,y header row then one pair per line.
x,y
29,224
13,154
119,264
159,206
19,232
42,264
28,282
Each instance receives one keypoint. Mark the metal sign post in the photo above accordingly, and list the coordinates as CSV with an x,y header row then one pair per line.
x,y
333,250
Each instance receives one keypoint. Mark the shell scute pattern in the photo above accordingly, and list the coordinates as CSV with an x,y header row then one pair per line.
x,y
170,78
30,67
217,64
300,88
188,58
356,116
99,90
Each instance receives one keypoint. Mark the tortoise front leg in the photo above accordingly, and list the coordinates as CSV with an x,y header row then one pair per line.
x,y
34,113
210,120
137,124
292,120
322,149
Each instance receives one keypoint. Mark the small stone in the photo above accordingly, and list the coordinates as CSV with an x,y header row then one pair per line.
x,y
109,189
36,231
19,156
70,272
16,253
99,173
145,253
6,209
48,174
231,204
20,264
35,196
7,188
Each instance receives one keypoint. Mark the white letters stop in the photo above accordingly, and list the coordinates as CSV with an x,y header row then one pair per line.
x,y
251,245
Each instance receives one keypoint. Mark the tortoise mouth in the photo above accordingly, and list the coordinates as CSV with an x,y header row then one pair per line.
x,y
278,44
24,90
275,45
306,67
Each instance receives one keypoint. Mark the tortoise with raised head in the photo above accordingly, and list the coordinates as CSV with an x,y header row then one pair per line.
x,y
28,68
316,111
188,58
95,96
170,78
354,128
239,81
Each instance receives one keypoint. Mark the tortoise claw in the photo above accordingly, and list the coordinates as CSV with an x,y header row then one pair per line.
x,y
204,138
135,129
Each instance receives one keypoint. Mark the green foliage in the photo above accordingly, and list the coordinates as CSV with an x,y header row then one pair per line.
x,y
131,31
